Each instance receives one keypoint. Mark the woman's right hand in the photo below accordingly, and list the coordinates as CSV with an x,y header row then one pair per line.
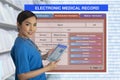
x,y
52,65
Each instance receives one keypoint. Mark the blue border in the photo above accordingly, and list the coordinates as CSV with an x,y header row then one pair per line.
x,y
66,7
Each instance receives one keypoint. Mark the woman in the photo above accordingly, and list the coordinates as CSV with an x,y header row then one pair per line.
x,y
26,56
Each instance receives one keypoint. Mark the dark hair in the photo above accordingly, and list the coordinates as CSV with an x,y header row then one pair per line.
x,y
24,15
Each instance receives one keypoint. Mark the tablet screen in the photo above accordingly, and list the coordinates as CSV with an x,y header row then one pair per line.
x,y
56,54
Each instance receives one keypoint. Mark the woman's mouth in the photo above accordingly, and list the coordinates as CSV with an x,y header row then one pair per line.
x,y
30,33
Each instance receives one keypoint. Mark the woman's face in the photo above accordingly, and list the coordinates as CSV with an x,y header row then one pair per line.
x,y
28,27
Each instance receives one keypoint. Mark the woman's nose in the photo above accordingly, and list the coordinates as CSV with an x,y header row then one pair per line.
x,y
31,28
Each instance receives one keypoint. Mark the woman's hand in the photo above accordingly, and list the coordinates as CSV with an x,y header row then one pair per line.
x,y
44,57
52,65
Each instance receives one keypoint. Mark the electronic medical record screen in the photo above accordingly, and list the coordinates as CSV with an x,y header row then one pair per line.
x,y
84,35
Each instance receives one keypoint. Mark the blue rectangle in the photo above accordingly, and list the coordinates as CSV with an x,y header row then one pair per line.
x,y
79,44
79,38
78,50
78,61
66,7
44,15
79,55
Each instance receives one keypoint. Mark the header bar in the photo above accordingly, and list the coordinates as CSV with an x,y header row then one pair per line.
x,y
66,7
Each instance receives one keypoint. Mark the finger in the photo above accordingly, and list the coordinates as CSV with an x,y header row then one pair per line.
x,y
50,51
57,61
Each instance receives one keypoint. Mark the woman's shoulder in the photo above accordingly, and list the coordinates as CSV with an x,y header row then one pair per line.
x,y
20,42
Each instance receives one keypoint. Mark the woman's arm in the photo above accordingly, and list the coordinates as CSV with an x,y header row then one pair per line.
x,y
34,73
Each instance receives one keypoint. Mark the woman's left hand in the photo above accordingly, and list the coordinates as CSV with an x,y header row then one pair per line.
x,y
44,57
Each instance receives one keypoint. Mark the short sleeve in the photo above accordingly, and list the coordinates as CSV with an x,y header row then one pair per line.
x,y
21,59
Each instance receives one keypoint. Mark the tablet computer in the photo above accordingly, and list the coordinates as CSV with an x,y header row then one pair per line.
x,y
57,52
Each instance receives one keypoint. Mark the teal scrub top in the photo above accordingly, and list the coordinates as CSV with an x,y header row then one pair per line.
x,y
26,58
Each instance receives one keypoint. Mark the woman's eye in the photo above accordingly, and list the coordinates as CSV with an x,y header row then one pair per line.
x,y
27,24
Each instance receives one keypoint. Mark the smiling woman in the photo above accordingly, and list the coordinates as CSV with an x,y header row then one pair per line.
x,y
25,54
28,27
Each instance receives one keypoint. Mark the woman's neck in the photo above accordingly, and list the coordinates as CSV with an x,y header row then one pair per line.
x,y
23,36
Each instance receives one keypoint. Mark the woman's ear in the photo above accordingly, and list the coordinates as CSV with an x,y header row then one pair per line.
x,y
18,26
